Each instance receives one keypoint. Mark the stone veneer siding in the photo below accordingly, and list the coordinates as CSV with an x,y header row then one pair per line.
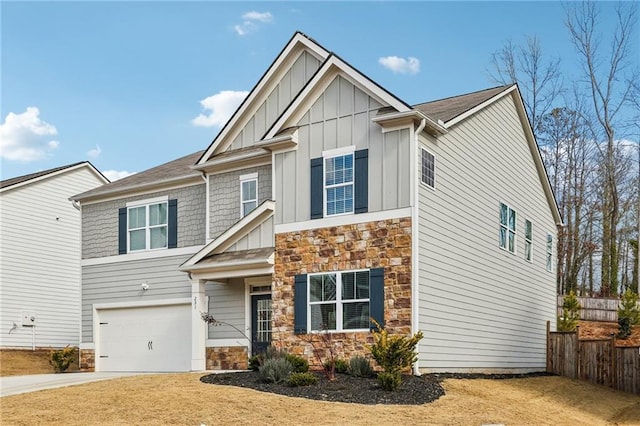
x,y
227,358
87,360
384,243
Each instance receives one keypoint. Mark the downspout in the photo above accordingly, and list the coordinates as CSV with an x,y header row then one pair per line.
x,y
415,247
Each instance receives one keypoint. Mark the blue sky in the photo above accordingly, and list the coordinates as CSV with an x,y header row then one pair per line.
x,y
122,83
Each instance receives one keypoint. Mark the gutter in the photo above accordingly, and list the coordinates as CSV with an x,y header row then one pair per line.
x,y
415,247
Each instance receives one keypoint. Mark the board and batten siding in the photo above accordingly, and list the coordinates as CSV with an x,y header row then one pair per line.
x,y
121,282
227,304
303,68
260,237
341,117
482,307
100,220
40,260
224,196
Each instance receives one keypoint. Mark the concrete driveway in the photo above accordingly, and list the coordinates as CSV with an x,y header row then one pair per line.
x,y
13,385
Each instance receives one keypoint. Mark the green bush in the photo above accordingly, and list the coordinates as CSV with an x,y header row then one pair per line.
x,y
340,365
360,366
299,364
624,328
255,362
275,370
390,380
568,321
302,379
629,307
394,352
62,359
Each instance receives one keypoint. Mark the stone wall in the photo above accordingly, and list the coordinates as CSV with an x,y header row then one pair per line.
x,y
227,358
87,360
384,243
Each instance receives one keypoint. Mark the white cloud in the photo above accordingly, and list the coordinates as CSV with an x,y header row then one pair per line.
x,y
250,22
95,152
218,108
25,137
114,175
400,65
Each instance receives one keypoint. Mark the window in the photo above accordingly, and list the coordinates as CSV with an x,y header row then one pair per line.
x,y
528,240
248,193
507,228
428,168
549,252
147,226
339,301
338,184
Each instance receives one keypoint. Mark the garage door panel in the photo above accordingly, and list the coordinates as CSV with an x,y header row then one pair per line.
x,y
154,338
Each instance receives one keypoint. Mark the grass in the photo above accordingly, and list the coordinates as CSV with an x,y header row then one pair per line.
x,y
25,362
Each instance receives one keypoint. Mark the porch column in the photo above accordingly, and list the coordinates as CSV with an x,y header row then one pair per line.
x,y
198,327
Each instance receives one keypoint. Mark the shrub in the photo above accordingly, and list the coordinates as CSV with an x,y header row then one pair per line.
x,y
302,379
629,307
624,328
257,360
299,364
394,352
360,366
570,313
275,370
390,380
339,365
61,359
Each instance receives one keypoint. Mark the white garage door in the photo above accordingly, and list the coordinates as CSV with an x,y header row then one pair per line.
x,y
153,338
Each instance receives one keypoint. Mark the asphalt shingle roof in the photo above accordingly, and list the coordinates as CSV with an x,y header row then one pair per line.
x,y
19,179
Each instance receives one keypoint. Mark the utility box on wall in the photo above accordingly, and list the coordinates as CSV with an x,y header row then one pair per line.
x,y
28,319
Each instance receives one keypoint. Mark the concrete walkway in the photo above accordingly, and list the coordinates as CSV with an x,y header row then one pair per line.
x,y
13,385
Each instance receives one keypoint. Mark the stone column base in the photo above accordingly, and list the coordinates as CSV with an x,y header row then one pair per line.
x,y
87,360
227,358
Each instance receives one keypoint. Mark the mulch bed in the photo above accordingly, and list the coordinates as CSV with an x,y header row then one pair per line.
x,y
415,390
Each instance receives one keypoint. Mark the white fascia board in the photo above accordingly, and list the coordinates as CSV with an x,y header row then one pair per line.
x,y
235,161
143,303
341,220
395,120
54,174
478,107
331,68
287,57
143,255
164,185
243,271
233,234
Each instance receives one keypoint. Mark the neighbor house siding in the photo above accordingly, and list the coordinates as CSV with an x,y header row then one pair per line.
x,y
480,306
121,282
278,99
224,196
341,117
100,221
40,259
227,304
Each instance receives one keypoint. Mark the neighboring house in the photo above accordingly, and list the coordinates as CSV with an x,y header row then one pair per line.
x,y
40,256
323,202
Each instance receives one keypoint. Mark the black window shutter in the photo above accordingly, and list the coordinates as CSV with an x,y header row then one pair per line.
x,y
317,188
172,240
376,296
300,304
361,181
122,230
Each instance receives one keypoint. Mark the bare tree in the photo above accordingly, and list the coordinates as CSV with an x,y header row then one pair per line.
x,y
538,78
604,70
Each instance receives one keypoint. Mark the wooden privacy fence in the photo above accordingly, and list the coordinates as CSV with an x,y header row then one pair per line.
x,y
596,308
595,360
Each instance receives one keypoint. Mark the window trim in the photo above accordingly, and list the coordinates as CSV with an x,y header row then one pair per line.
x,y
334,153
513,231
549,248
337,302
528,240
147,228
252,177
422,150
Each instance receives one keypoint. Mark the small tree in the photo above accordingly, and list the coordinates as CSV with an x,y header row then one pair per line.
x,y
570,313
628,312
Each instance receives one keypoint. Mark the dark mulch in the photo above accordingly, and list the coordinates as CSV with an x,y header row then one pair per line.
x,y
415,390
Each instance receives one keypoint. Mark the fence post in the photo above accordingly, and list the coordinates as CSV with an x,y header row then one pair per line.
x,y
549,347
614,364
577,372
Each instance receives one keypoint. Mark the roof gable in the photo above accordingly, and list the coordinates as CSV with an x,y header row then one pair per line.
x,y
16,182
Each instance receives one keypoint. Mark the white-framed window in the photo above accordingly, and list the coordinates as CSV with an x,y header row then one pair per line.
x,y
528,240
147,225
248,193
507,228
338,183
338,301
428,168
549,252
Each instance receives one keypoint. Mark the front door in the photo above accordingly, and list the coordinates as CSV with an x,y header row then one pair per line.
x,y
260,322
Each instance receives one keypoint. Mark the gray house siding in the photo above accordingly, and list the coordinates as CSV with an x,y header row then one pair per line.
x,y
224,196
341,117
121,282
481,306
291,83
100,221
227,304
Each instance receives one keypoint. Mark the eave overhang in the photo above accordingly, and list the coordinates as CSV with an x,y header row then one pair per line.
x,y
395,120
